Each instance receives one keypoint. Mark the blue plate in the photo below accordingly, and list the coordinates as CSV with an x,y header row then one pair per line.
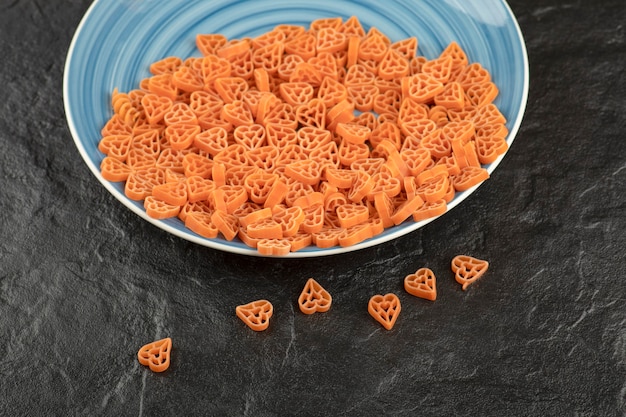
x,y
117,40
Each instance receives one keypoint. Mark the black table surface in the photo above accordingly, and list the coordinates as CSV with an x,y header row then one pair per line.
x,y
84,283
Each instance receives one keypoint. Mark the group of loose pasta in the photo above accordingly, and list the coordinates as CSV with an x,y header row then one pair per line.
x,y
319,136
314,298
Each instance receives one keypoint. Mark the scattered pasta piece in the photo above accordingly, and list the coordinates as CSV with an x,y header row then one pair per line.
x,y
314,298
336,131
468,269
421,284
156,355
384,309
256,314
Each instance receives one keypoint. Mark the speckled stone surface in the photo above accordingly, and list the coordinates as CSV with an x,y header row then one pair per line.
x,y
84,282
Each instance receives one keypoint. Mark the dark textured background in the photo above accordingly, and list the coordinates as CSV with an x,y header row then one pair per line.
x,y
84,282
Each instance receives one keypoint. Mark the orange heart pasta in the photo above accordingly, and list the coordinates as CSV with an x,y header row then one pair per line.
x,y
314,298
385,309
468,269
256,314
421,284
338,131
156,355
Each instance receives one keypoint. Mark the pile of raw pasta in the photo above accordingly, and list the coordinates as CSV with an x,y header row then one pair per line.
x,y
320,136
